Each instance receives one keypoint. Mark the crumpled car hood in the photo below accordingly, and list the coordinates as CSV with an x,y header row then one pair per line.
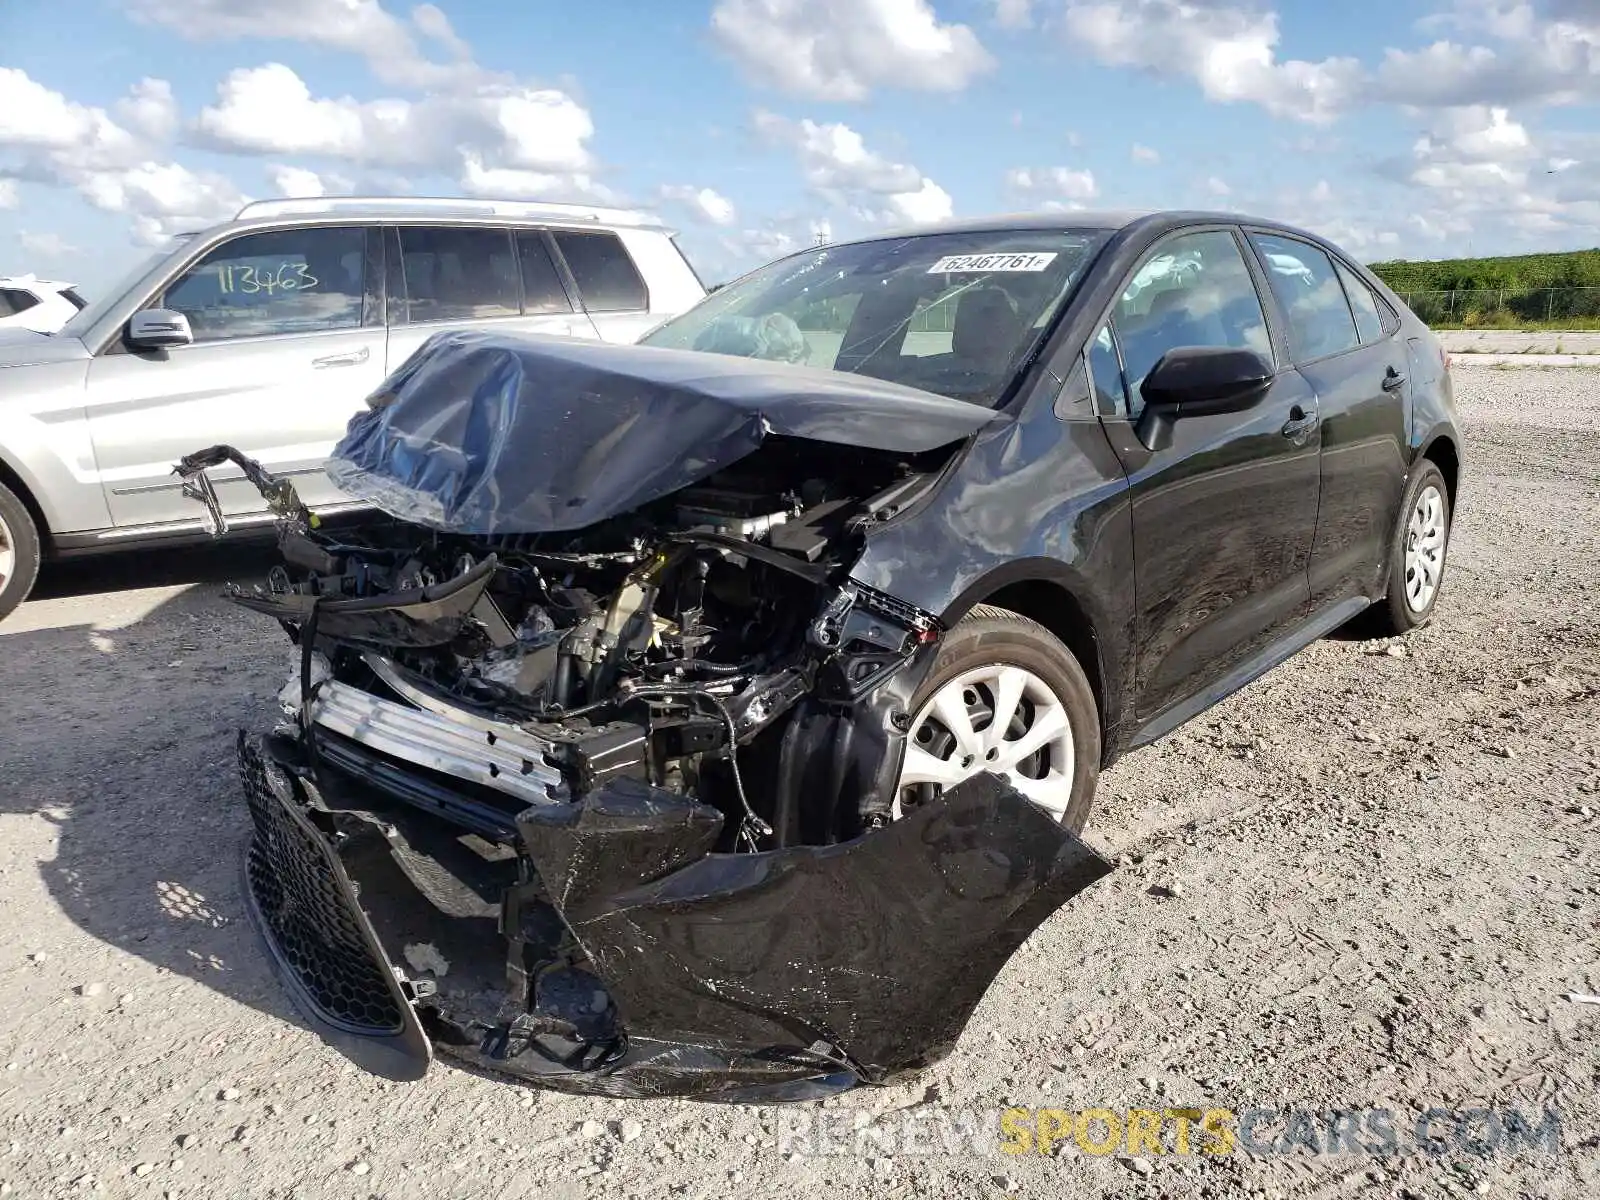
x,y
483,433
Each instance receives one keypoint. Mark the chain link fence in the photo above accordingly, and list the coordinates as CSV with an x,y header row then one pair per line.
x,y
1500,306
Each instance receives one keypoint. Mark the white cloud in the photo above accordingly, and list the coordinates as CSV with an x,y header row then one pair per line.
x,y
163,199
1218,187
927,204
1144,154
1013,14
150,110
513,183
1229,49
363,27
1548,52
44,245
839,50
300,182
1053,184
707,204
838,166
528,136
8,193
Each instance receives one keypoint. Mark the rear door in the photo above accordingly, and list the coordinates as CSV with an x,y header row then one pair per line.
x,y
608,283
472,277
1223,518
1347,344
288,343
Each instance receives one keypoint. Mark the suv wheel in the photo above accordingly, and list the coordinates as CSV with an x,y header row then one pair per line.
x,y
1417,557
1004,696
19,551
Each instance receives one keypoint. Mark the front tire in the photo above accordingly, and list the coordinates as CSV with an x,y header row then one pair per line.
x,y
1004,696
1417,553
19,551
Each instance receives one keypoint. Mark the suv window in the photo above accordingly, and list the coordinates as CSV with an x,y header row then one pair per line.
x,y
542,291
15,300
1194,290
459,274
72,298
1369,317
1306,285
285,281
606,277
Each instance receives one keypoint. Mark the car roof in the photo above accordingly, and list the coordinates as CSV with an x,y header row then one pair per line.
x,y
28,281
1107,220
312,210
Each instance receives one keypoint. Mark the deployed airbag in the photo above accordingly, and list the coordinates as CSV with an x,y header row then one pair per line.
x,y
483,433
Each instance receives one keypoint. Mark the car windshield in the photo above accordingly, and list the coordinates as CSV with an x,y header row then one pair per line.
x,y
950,313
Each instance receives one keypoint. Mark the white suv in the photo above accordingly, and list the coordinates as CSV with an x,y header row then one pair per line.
x,y
38,305
267,333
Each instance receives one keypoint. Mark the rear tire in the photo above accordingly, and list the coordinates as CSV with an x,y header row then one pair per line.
x,y
994,660
19,551
1417,554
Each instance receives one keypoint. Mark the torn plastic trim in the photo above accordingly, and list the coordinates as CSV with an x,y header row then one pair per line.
x,y
780,975
280,495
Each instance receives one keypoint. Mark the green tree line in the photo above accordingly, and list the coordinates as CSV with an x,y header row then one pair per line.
x,y
1576,268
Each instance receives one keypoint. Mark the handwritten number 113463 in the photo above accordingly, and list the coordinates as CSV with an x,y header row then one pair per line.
x,y
287,277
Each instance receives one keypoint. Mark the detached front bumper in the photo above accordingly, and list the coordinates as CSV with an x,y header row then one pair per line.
x,y
604,948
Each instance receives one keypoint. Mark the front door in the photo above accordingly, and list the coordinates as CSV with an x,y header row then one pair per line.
x,y
1223,518
288,343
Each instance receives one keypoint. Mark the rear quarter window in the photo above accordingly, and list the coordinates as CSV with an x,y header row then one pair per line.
x,y
606,277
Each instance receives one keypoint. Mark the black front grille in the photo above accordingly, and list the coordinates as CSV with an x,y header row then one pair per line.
x,y
306,908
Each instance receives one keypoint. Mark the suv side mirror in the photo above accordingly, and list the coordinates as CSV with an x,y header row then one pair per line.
x,y
1195,381
158,328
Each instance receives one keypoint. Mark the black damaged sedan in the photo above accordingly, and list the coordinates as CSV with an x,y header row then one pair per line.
x,y
715,716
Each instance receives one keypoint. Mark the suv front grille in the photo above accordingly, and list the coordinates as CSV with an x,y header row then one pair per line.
x,y
306,908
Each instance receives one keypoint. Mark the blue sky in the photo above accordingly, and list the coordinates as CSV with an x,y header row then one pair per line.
x,y
1415,128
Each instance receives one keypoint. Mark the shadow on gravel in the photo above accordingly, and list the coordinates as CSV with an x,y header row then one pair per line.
x,y
118,728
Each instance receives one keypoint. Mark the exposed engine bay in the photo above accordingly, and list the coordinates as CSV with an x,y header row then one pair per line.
x,y
653,646
612,804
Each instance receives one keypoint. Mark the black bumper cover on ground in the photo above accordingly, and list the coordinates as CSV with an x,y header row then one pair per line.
x,y
782,975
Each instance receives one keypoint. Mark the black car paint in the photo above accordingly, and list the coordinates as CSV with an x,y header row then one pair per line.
x,y
1171,586
1191,610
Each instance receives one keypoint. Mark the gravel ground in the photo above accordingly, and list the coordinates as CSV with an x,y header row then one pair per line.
x,y
1367,881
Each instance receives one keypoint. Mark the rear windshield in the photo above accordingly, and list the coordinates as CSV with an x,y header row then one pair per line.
x,y
950,313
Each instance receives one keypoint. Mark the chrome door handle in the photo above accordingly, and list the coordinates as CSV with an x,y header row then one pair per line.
x,y
353,358
1300,425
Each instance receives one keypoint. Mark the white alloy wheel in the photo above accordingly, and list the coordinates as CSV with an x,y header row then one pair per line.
x,y
999,718
8,553
1425,536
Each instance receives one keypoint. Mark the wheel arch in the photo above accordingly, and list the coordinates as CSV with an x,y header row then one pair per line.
x,y
18,486
1443,453
1066,609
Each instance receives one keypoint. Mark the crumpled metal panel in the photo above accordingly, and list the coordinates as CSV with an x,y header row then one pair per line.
x,y
867,957
483,433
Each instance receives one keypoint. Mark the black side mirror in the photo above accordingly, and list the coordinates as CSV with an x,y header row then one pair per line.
x,y
1195,381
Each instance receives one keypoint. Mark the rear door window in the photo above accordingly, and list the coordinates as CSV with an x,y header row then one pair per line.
x,y
1369,317
459,274
282,282
542,290
606,277
1308,288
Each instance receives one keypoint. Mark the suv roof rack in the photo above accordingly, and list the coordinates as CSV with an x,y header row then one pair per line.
x,y
441,206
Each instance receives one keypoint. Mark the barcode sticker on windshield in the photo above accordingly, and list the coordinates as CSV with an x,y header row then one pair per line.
x,y
965,263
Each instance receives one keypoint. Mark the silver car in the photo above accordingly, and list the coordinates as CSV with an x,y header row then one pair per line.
x,y
267,333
